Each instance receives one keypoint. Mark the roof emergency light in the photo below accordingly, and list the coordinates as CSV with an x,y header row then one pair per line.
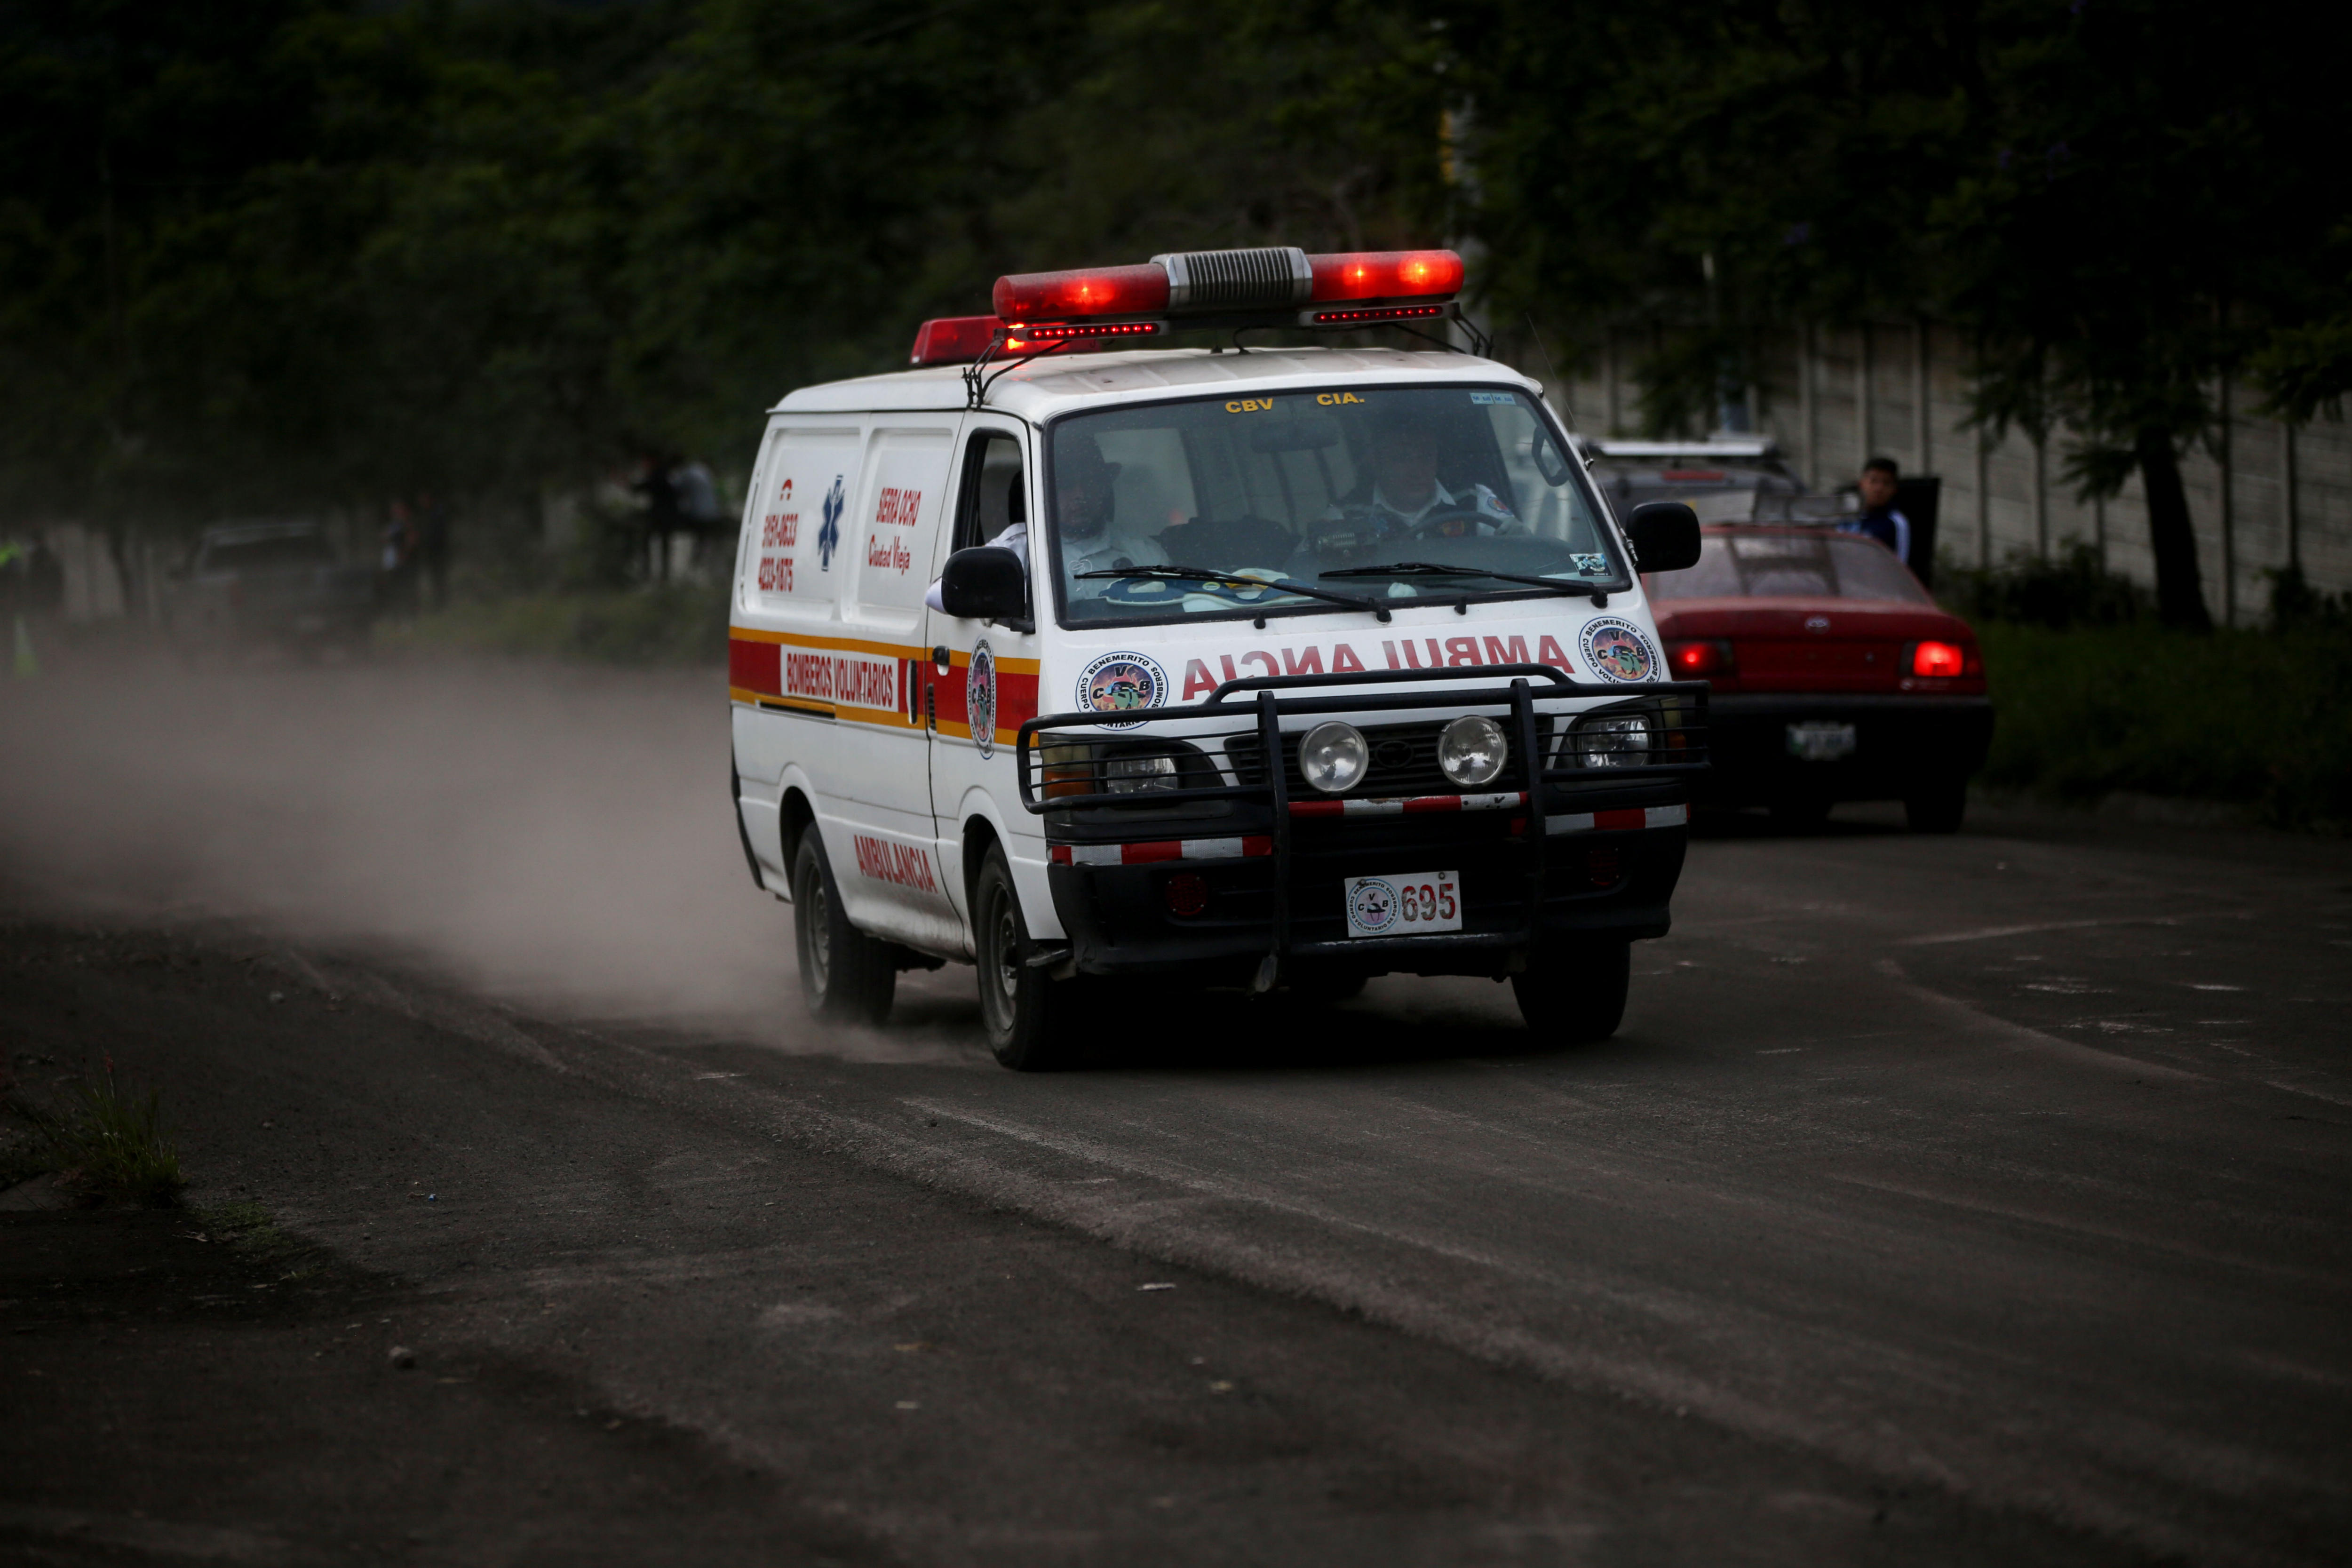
x,y
1227,283
954,340
1091,307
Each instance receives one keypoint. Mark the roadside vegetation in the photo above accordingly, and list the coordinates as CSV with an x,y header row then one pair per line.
x,y
108,1143
681,625
2096,696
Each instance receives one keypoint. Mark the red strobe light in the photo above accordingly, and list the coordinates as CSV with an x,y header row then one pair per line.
x,y
952,340
1084,338
1383,275
1090,291
1938,659
1368,316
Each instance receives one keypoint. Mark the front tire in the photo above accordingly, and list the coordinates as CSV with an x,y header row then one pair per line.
x,y
1031,1019
846,976
1574,996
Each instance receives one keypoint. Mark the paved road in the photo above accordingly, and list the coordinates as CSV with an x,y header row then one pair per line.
x,y
1972,1199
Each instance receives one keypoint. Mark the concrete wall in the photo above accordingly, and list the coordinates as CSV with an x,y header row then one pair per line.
x,y
1836,395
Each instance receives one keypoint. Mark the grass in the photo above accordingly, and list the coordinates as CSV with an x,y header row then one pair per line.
x,y
669,626
2261,720
109,1143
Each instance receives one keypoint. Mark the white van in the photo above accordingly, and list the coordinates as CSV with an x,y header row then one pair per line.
x,y
1150,570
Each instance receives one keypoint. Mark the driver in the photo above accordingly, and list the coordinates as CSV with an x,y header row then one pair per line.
x,y
1405,496
1086,513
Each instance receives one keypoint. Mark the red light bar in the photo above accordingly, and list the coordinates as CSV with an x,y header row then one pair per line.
x,y
1367,315
952,340
1090,291
1385,275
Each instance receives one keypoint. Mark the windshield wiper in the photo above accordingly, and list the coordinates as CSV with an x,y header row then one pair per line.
x,y
1439,569
1195,575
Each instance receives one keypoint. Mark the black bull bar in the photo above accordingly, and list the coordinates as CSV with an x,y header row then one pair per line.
x,y
1676,709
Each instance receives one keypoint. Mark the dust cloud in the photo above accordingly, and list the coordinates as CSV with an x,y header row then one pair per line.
x,y
543,834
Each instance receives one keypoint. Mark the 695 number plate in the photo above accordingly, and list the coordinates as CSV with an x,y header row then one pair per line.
x,y
1404,906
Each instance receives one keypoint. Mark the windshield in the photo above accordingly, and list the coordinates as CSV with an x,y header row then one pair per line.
x,y
1814,565
1317,489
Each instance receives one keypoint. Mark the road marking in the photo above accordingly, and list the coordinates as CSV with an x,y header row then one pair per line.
x,y
2019,1037
1987,934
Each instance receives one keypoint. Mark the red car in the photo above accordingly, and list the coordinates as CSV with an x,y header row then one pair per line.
x,y
1835,677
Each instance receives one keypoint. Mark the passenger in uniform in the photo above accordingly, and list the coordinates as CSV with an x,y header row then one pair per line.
x,y
1086,506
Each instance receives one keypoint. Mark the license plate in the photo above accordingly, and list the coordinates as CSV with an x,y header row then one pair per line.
x,y
1819,741
1404,906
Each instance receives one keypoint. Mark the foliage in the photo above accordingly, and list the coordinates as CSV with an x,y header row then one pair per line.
x,y
2026,590
680,625
2260,722
109,1143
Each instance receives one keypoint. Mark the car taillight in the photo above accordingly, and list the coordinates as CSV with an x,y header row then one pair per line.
x,y
1697,659
1938,659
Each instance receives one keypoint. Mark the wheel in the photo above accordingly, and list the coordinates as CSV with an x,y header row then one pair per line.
x,y
1032,1020
846,976
1800,813
1573,996
1937,807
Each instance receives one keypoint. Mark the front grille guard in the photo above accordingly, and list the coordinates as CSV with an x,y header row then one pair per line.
x,y
1679,707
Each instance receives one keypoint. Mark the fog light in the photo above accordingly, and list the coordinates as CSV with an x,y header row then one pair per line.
x,y
1186,892
1334,757
1470,751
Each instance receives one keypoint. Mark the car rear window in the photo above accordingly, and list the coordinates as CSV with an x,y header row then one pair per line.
x,y
1810,565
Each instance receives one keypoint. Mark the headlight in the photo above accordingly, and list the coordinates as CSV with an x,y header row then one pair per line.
x,y
1334,757
1470,751
1133,775
1622,741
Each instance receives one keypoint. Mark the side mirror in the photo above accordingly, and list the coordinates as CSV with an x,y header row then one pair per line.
x,y
985,583
1664,536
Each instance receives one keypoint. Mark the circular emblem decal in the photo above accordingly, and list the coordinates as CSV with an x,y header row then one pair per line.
x,y
1616,651
1372,906
1120,682
979,697
1816,623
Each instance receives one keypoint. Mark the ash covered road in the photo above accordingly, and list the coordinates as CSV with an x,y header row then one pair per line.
x,y
1941,1200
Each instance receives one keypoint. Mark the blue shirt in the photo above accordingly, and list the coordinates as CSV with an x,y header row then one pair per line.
x,y
1887,526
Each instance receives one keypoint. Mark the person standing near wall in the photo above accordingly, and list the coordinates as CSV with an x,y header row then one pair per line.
x,y
1879,518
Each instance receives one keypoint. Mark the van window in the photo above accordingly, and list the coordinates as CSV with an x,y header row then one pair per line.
x,y
1327,488
991,489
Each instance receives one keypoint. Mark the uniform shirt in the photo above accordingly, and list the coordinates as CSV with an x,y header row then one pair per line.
x,y
1887,526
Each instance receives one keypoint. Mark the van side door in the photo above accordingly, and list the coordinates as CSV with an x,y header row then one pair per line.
x,y
884,858
988,687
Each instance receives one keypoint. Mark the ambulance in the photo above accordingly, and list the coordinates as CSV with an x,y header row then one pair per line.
x,y
1109,665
